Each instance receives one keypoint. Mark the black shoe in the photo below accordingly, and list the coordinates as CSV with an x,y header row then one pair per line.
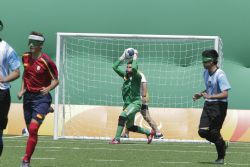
x,y
219,161
125,135
51,110
158,136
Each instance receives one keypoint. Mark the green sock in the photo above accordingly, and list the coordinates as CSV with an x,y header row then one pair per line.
x,y
144,131
119,132
141,130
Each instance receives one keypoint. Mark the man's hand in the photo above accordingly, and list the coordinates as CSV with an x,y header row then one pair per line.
x,y
20,94
135,56
45,90
197,96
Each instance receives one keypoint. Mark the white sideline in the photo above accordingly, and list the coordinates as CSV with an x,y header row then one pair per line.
x,y
12,137
106,160
39,158
119,149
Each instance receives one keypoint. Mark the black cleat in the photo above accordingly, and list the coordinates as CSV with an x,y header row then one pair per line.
x,y
125,135
51,110
219,161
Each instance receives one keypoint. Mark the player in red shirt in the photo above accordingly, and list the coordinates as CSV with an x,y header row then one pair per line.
x,y
39,78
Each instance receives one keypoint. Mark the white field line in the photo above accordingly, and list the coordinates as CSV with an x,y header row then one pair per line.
x,y
12,137
188,145
106,160
52,150
50,139
129,149
40,158
167,162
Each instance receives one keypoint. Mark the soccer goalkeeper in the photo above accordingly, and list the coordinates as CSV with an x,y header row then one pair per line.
x,y
144,110
131,97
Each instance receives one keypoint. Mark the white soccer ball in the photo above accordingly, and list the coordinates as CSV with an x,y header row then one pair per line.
x,y
129,53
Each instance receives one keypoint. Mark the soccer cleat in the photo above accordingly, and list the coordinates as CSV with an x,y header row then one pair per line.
x,y
125,135
25,164
219,161
51,110
114,141
158,135
150,137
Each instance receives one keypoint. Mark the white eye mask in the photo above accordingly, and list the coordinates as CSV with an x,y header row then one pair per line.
x,y
36,38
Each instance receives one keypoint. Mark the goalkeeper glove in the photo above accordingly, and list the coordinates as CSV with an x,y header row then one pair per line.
x,y
122,56
135,54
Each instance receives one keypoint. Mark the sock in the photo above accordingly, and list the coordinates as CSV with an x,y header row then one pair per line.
x,y
119,132
32,141
220,147
1,142
143,131
139,129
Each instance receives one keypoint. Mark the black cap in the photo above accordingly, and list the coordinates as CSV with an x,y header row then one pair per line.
x,y
1,25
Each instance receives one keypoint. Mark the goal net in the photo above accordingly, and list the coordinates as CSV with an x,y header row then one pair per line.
x,y
88,100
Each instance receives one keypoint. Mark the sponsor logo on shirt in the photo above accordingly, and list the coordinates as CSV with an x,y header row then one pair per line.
x,y
38,68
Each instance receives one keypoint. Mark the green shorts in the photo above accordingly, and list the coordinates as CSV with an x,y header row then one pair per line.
x,y
131,111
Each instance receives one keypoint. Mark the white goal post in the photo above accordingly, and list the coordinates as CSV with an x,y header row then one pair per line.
x,y
88,99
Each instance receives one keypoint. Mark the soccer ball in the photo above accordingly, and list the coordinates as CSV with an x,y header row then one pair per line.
x,y
129,53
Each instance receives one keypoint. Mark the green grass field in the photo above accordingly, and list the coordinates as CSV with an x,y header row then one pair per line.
x,y
96,153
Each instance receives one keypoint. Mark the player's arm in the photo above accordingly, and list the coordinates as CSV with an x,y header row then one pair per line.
x,y
144,92
54,77
11,77
14,64
22,91
53,84
222,95
134,64
117,64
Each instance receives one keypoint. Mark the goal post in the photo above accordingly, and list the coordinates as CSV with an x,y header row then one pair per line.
x,y
88,100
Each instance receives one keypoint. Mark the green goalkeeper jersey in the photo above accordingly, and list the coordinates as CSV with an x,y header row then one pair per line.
x,y
131,85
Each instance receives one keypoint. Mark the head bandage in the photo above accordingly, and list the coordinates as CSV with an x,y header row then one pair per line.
x,y
36,38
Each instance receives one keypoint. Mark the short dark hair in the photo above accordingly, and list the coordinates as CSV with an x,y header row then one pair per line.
x,y
211,53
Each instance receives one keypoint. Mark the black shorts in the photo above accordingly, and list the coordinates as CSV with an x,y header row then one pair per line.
x,y
213,115
4,107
